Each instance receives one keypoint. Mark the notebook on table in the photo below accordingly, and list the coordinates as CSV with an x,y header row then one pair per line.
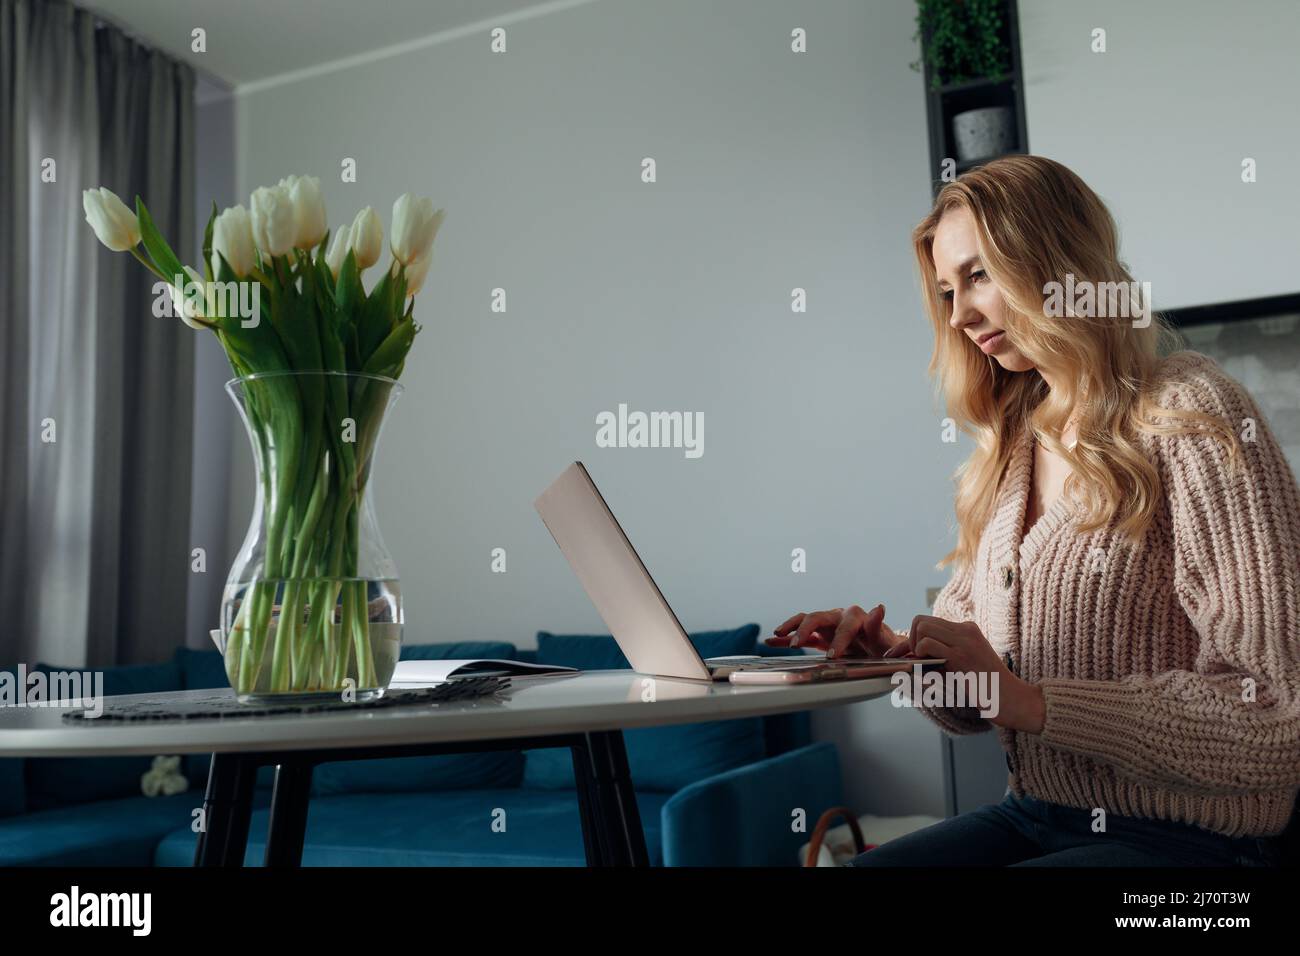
x,y
426,673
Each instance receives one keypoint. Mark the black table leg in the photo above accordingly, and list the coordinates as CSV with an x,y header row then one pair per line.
x,y
288,826
592,830
611,822
227,807
608,784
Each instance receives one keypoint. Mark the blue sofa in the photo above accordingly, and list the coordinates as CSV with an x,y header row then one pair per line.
x,y
711,794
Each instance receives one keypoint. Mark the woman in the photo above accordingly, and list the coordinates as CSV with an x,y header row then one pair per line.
x,y
1128,564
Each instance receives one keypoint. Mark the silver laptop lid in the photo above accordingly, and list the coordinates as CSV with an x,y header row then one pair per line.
x,y
615,579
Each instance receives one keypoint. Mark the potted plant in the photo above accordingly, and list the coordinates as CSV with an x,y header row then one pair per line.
x,y
962,41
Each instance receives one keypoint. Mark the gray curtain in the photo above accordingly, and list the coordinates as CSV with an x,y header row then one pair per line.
x,y
95,538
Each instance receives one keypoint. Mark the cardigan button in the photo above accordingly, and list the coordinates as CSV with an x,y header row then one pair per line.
x,y
1008,576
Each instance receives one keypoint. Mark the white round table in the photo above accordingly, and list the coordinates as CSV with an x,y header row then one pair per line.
x,y
586,712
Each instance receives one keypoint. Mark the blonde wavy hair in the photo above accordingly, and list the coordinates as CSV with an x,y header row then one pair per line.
x,y
1038,222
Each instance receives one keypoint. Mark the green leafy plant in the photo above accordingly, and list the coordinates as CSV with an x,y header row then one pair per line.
x,y
962,40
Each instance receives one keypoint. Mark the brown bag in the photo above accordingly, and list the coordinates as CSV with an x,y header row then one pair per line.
x,y
824,823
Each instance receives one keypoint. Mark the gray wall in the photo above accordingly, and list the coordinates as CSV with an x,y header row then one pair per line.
x,y
1159,125
775,170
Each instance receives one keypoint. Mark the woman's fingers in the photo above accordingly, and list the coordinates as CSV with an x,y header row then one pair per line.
x,y
857,627
824,622
816,639
929,647
889,638
841,633
782,635
841,630
901,645
794,621
899,649
924,625
819,642
790,639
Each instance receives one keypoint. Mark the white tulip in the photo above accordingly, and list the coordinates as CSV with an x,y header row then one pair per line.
x,y
232,237
416,272
308,210
115,225
366,238
274,223
338,251
415,224
187,307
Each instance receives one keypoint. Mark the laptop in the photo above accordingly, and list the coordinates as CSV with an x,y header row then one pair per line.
x,y
635,610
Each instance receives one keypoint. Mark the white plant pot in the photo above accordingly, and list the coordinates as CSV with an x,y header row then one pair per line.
x,y
982,133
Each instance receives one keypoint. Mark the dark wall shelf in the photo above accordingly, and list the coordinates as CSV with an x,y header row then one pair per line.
x,y
967,86
950,99
1240,311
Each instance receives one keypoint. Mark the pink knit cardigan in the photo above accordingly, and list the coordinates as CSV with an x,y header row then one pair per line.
x,y
1170,671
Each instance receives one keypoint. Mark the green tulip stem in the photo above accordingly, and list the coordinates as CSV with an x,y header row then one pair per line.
x,y
135,251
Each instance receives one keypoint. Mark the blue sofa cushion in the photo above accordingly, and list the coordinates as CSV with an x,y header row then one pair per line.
x,y
60,781
662,759
13,797
459,650
121,832
450,828
201,669
591,652
489,769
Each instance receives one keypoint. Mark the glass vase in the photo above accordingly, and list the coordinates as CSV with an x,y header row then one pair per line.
x,y
312,604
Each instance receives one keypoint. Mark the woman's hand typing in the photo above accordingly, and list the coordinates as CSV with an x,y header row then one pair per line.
x,y
840,632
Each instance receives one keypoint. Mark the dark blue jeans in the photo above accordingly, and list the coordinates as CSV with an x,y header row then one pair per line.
x,y
1025,831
